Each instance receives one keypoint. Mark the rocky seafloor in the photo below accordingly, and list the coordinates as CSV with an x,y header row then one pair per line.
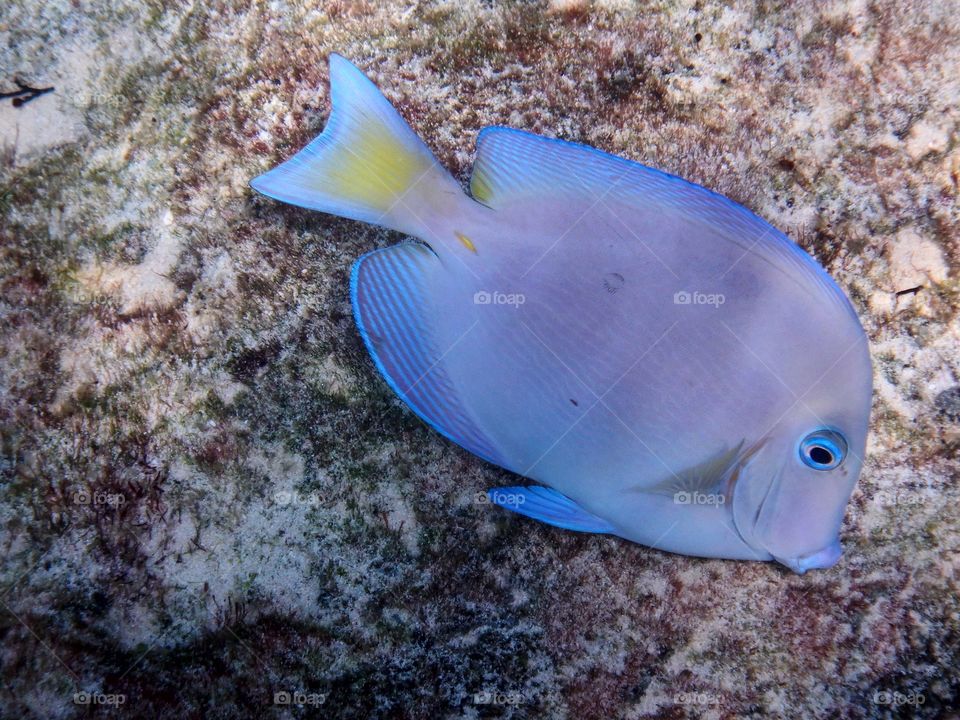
x,y
213,506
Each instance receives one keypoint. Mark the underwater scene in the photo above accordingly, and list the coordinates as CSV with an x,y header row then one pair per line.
x,y
575,359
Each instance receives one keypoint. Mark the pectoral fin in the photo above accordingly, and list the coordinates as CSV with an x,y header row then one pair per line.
x,y
706,477
715,476
549,506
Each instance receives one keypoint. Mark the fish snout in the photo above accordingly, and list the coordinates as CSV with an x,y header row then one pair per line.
x,y
823,558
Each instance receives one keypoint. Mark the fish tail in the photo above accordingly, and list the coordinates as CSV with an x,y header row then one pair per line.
x,y
367,164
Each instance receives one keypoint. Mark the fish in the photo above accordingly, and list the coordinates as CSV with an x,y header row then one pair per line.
x,y
653,360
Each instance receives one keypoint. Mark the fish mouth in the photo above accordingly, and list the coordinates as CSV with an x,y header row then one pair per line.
x,y
823,558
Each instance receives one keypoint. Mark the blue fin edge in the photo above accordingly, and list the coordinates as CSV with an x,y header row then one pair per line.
x,y
368,343
550,507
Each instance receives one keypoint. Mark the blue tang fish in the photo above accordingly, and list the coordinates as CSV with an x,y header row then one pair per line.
x,y
670,368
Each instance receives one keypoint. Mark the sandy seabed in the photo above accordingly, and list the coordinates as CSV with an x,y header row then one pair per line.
x,y
213,506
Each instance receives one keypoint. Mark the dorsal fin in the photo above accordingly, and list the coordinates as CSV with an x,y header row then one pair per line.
x,y
513,165
394,307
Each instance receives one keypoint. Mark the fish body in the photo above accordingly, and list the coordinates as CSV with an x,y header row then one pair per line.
x,y
671,368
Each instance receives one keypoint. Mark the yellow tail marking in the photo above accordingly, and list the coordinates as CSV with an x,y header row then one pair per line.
x,y
466,242
374,169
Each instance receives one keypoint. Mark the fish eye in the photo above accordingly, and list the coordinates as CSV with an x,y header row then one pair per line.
x,y
823,449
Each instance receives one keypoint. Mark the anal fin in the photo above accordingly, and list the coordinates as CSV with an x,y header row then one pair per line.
x,y
393,303
548,506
